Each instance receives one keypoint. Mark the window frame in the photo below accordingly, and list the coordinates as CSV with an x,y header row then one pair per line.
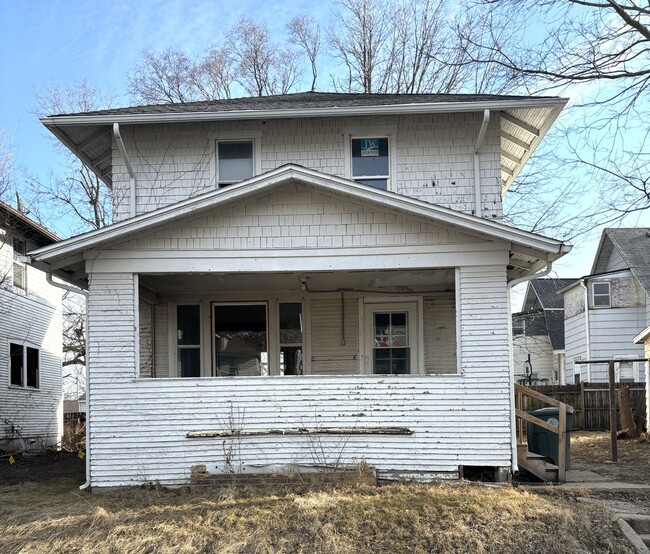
x,y
174,366
389,132
24,345
254,137
213,341
19,259
414,306
594,294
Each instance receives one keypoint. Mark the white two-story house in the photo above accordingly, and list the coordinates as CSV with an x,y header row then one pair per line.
x,y
309,278
606,310
31,415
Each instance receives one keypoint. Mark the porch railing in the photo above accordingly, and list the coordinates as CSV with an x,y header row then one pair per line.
x,y
560,430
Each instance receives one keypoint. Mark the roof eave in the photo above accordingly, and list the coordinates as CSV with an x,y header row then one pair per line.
x,y
331,111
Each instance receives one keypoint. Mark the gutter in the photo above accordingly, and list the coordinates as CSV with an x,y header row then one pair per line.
x,y
48,277
127,162
330,111
513,417
477,166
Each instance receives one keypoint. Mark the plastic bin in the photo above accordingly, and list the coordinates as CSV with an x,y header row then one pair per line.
x,y
544,442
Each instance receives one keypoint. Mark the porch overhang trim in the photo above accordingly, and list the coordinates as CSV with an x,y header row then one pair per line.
x,y
642,336
547,248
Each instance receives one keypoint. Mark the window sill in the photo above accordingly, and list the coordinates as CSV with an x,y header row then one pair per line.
x,y
26,389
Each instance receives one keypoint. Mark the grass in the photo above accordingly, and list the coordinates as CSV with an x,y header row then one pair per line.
x,y
54,517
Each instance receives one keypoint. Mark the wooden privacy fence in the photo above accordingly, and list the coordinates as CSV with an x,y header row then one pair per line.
x,y
590,402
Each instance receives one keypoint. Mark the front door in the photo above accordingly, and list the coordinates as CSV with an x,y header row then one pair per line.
x,y
391,338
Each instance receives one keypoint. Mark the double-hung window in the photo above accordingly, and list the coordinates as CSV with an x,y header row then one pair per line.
x,y
24,364
188,339
371,161
601,294
235,161
19,269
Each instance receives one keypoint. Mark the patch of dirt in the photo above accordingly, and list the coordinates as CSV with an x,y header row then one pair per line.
x,y
592,451
41,467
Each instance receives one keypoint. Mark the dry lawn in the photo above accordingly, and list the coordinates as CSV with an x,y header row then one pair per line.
x,y
53,516
592,450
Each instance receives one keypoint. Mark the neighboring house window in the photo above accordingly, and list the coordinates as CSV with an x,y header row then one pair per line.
x,y
371,161
19,268
601,295
25,365
240,339
518,327
235,161
188,337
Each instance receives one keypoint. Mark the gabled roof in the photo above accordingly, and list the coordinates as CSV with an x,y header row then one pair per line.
x,y
544,292
11,218
528,251
524,119
633,244
555,326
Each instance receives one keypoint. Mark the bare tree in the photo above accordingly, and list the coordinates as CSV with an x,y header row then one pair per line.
x,y
304,32
263,67
597,53
7,167
77,194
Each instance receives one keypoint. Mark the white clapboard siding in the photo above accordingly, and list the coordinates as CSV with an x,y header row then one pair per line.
x,y
613,331
329,356
138,426
542,359
32,416
439,320
161,340
434,156
145,313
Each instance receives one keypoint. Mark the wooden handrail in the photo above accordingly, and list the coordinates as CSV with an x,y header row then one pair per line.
x,y
560,430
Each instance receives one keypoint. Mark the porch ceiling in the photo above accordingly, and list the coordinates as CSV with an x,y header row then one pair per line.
x,y
430,280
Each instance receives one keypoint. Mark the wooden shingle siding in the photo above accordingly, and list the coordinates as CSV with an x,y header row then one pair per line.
x,y
434,157
440,333
296,216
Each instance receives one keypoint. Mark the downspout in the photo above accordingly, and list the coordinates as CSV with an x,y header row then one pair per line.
x,y
477,165
513,418
127,162
587,341
84,293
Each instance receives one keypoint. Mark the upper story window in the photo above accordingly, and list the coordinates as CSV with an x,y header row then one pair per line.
x,y
237,157
24,365
370,156
19,269
601,295
234,161
371,161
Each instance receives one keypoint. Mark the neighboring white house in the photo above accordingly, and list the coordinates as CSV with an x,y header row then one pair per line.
x,y
538,332
617,295
31,413
308,261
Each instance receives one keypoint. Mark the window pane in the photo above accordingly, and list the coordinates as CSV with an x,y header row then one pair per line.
x,y
189,362
291,360
16,356
235,161
20,247
240,341
369,157
290,323
32,367
188,324
601,288
377,183
601,300
20,276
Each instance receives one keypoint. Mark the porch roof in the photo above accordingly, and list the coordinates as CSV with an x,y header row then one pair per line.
x,y
528,251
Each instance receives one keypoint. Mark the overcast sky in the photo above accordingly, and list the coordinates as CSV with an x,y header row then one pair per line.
x,y
57,41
